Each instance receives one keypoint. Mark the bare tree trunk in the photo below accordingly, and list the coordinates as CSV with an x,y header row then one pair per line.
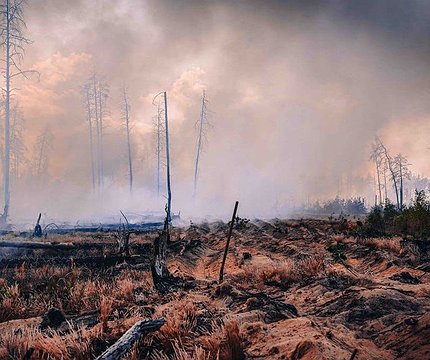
x,y
379,181
169,192
127,125
101,138
199,143
6,169
385,186
158,148
401,185
160,272
97,130
90,128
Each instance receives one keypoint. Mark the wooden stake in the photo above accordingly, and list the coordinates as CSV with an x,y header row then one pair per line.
x,y
221,272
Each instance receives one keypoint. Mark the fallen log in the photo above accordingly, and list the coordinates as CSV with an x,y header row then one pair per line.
x,y
37,245
125,342
89,261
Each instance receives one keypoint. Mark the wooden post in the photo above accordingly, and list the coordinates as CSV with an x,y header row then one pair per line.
x,y
221,272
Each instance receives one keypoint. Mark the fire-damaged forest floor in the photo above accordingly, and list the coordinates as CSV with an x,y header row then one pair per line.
x,y
305,289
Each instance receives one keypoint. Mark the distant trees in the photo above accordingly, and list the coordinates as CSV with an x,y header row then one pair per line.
x,y
13,42
42,152
126,120
17,146
95,94
397,167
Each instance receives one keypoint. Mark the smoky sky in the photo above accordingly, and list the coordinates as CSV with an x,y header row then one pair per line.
x,y
297,92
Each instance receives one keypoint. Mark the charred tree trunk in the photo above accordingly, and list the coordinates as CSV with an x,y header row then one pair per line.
x,y
38,229
160,273
124,344
123,237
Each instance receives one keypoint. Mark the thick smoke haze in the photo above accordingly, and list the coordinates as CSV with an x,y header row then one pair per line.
x,y
297,92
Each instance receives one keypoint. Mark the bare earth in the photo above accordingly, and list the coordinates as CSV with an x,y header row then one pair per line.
x,y
286,295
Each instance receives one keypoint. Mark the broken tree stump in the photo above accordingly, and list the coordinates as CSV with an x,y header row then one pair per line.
x,y
221,272
125,342
123,237
160,273
38,229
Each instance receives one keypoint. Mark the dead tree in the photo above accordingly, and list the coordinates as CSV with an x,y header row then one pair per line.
x,y
391,167
38,229
378,158
86,93
160,273
159,135
103,95
13,41
123,236
402,172
126,119
201,125
166,128
125,343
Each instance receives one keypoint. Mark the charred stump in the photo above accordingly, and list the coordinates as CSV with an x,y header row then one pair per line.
x,y
123,237
38,229
160,273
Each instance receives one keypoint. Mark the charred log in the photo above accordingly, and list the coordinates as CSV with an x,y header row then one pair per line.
x,y
124,344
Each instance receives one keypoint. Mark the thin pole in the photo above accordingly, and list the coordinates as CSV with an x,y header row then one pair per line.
x,y
199,144
169,193
221,272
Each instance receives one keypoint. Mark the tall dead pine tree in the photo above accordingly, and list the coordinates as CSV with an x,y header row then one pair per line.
x,y
126,119
13,42
201,125
166,134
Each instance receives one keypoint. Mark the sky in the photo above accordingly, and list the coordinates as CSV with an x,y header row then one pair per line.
x,y
297,92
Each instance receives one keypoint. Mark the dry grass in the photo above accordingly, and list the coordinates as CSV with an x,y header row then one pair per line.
x,y
31,292
285,272
392,245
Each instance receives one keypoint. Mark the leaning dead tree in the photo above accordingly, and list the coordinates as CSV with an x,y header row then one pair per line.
x,y
127,125
227,245
38,229
166,128
202,125
13,42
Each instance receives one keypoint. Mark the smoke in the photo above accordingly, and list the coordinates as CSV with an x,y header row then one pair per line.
x,y
297,92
